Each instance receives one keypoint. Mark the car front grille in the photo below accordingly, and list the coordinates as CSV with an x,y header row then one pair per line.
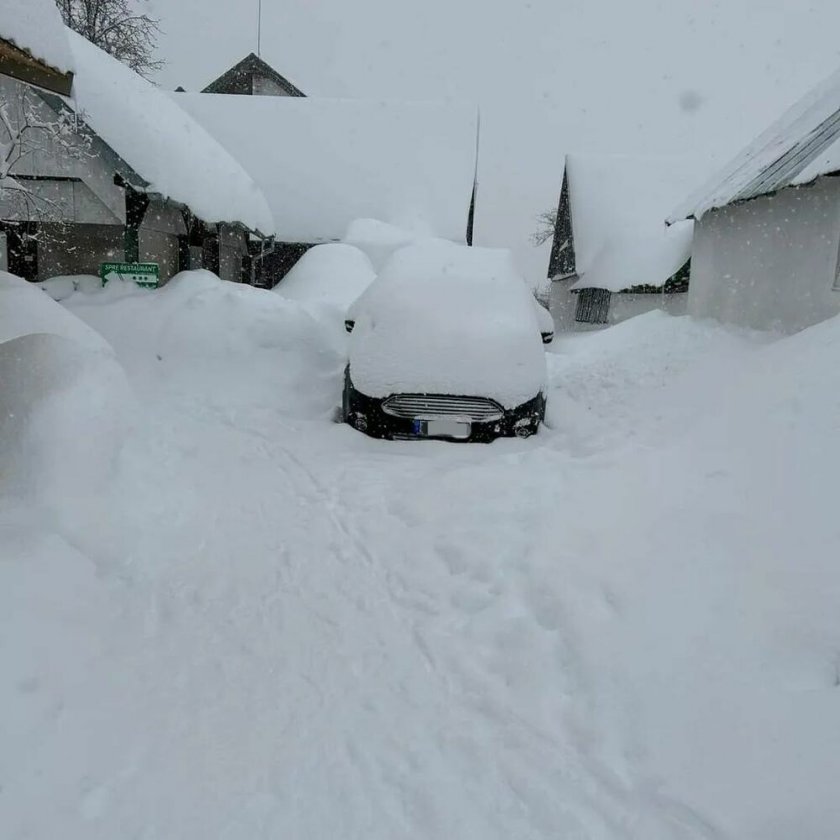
x,y
412,406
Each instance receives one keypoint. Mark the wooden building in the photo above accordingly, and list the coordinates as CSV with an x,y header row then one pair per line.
x,y
253,77
125,176
324,163
612,256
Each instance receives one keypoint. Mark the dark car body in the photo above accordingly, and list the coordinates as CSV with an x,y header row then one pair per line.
x,y
466,419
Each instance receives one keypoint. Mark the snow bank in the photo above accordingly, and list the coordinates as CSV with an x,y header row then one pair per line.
x,y
242,349
25,309
163,144
333,273
379,239
61,287
323,163
443,318
35,26
618,204
63,409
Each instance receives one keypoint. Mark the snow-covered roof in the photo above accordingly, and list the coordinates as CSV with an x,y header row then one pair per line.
x,y
323,163
618,203
35,26
163,144
801,145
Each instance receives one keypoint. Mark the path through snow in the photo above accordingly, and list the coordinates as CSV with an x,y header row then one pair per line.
x,y
278,627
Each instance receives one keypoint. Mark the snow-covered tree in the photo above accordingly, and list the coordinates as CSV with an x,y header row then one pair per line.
x,y
28,128
117,26
546,222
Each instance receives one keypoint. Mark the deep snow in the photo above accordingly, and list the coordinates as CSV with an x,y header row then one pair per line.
x,y
35,26
269,625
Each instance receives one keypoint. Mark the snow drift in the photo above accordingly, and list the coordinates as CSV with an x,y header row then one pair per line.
x,y
333,273
25,309
63,414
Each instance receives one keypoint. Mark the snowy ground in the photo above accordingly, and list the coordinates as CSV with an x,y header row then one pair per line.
x,y
264,624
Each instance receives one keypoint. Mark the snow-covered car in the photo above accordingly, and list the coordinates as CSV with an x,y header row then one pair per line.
x,y
447,345
502,259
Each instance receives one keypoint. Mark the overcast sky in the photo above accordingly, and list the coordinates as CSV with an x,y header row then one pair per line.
x,y
695,77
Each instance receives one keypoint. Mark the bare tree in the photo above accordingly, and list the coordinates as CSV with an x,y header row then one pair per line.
x,y
118,27
546,223
26,131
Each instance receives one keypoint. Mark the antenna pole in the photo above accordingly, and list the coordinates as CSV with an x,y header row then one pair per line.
x,y
259,28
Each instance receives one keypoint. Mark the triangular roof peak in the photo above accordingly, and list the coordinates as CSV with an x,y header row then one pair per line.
x,y
239,79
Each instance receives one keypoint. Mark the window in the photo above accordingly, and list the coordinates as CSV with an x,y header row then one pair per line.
x,y
836,286
593,306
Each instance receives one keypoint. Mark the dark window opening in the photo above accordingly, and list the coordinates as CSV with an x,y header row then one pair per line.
x,y
593,306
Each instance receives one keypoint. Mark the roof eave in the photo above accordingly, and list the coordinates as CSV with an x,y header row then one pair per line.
x,y
21,65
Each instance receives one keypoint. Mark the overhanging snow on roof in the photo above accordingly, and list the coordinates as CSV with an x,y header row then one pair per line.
x,y
35,26
33,45
801,145
177,158
618,203
323,163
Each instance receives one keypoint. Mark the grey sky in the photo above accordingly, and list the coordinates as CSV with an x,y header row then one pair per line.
x,y
696,77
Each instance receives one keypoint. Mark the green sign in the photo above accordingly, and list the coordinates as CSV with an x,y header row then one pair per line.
x,y
143,274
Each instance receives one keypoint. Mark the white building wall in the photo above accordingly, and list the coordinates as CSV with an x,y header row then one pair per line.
x,y
771,263
622,307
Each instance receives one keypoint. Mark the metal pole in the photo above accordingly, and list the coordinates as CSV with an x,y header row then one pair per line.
x,y
259,28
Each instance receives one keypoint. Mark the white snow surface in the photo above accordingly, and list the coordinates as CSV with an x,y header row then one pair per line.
x,y
332,273
324,163
63,411
162,143
264,624
447,319
619,203
27,309
35,26
796,135
379,240
61,287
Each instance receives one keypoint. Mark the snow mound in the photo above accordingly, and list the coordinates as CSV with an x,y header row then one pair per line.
x,y
162,143
25,308
378,239
61,287
334,273
444,318
62,416
35,26
245,349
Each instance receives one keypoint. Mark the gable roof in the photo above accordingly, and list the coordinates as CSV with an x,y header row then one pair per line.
x,y
34,44
617,207
252,64
801,145
323,163
171,152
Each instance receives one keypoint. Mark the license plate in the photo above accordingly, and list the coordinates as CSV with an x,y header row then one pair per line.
x,y
458,429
